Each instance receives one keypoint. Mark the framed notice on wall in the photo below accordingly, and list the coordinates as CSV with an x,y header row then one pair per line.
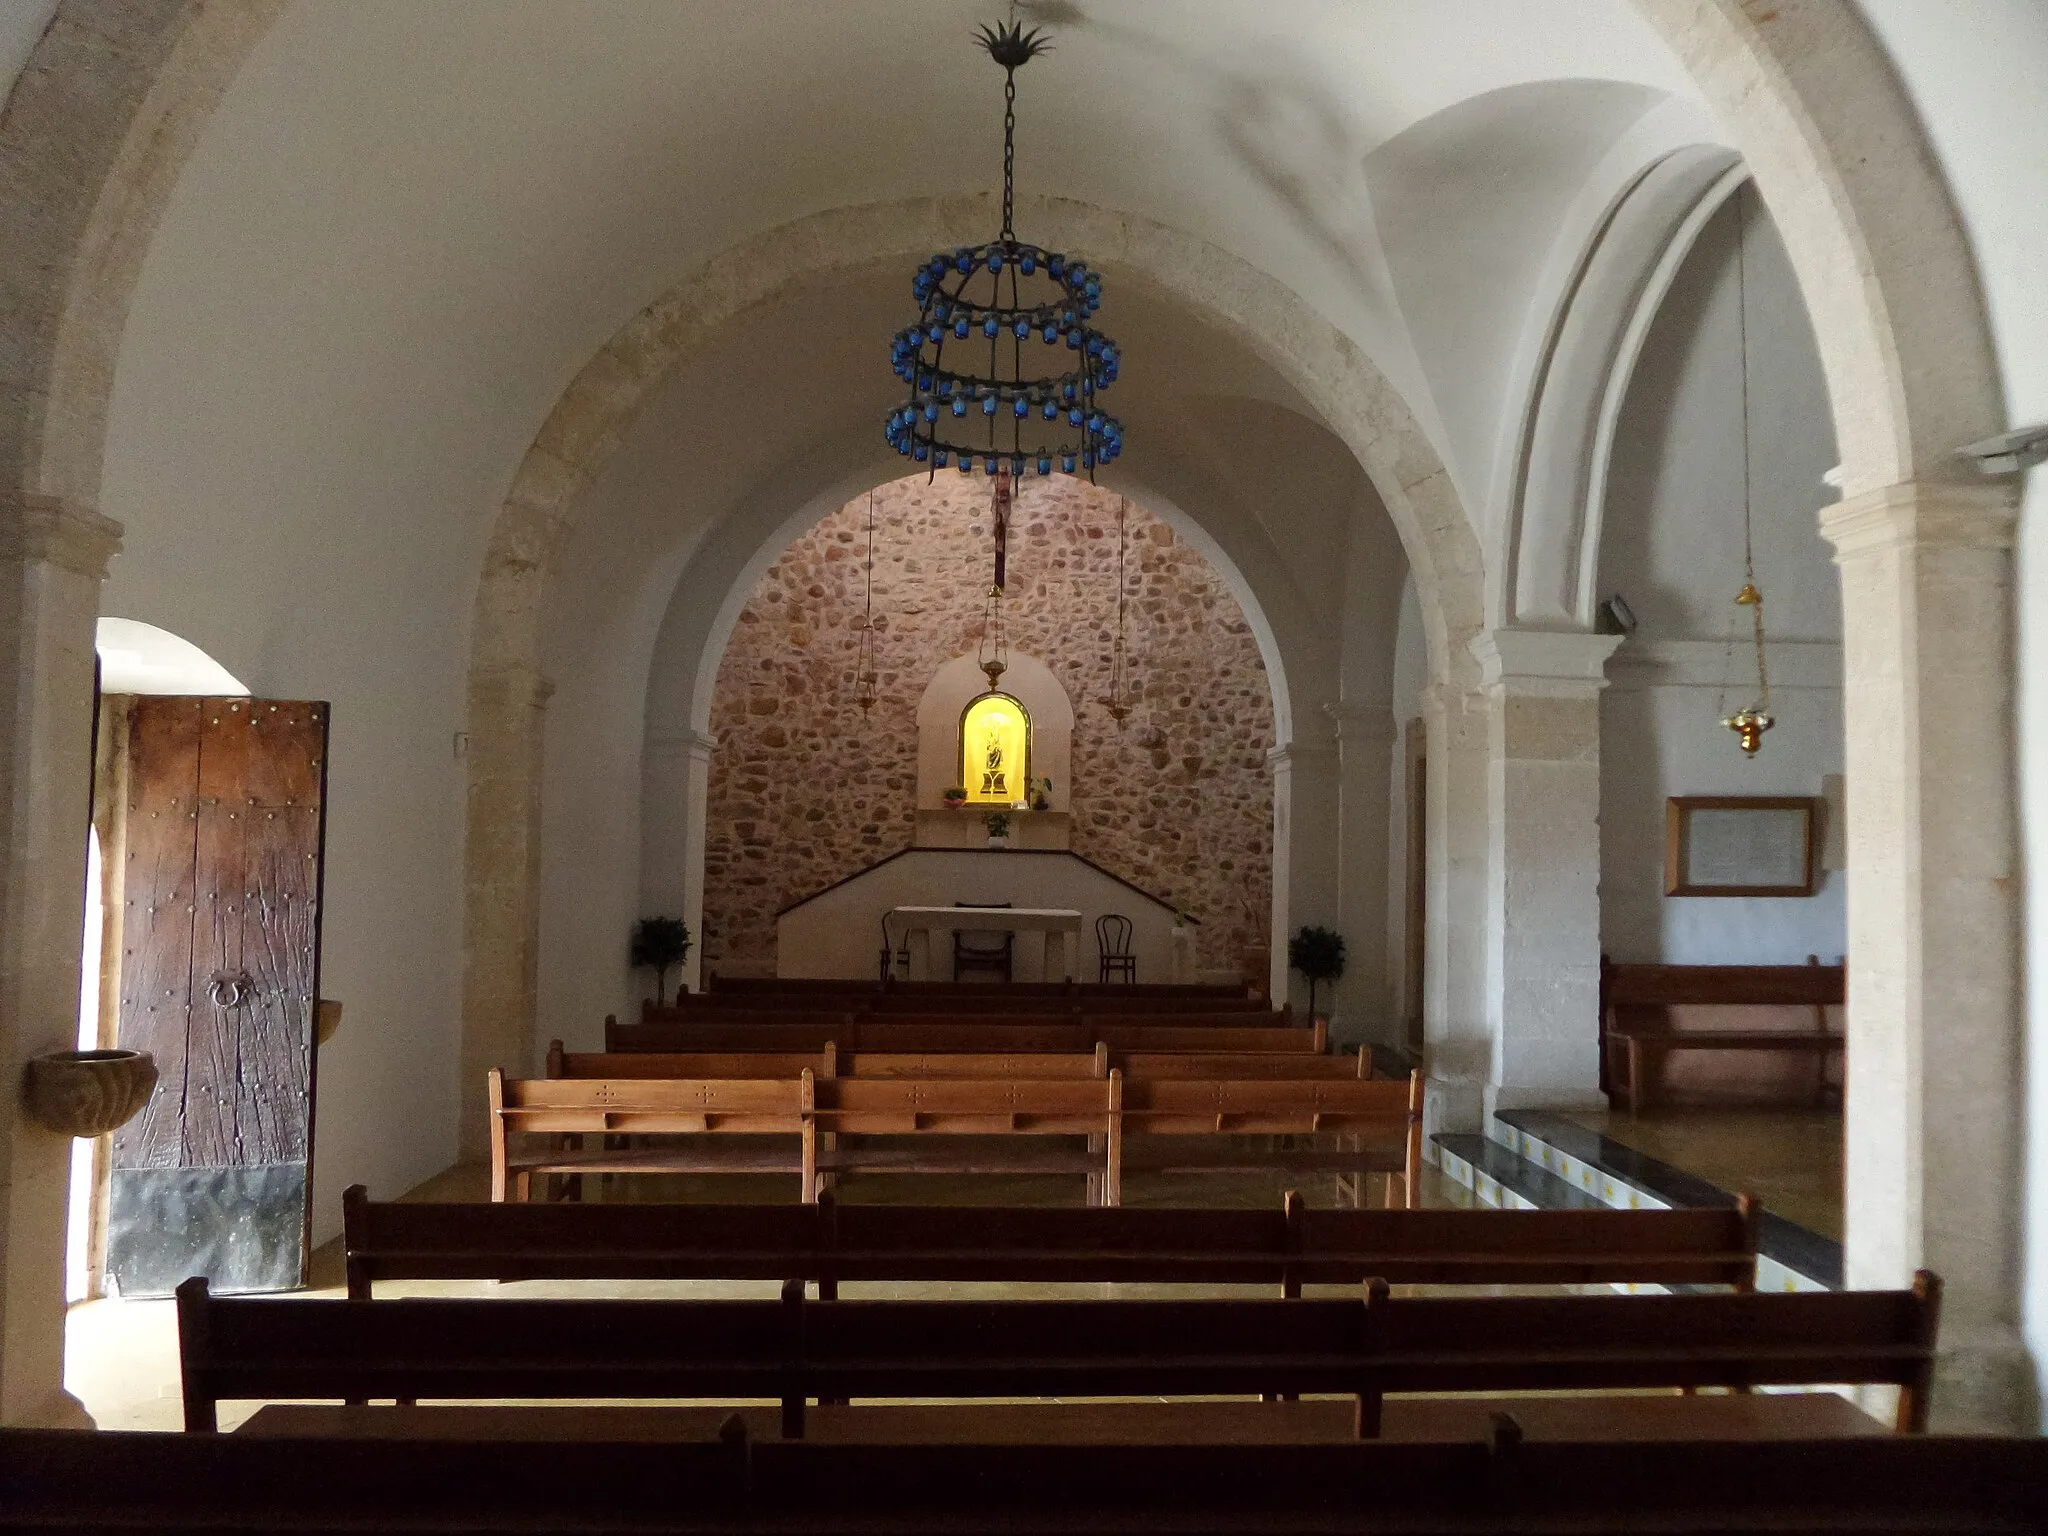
x,y
1740,845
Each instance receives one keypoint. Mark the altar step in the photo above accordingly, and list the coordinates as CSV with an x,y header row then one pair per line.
x,y
1537,1160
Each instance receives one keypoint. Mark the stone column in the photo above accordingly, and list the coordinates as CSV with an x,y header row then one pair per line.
x,y
675,788
1543,865
1306,817
1935,1097
1365,757
53,557
501,907
1455,1040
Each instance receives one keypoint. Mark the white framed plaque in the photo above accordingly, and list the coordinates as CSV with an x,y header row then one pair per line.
x,y
1740,845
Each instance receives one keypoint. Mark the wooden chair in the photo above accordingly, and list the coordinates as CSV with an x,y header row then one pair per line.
x,y
992,952
1286,1247
1113,946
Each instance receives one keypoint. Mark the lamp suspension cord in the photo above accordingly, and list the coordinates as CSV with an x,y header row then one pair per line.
x,y
1748,477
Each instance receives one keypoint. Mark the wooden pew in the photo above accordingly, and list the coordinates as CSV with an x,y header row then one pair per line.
x,y
739,1125
1196,1125
966,1125
736,987
1209,1018
827,1242
831,1062
1637,1035
794,1350
963,1035
211,1485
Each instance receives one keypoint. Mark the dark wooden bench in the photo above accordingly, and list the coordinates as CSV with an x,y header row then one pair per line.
x,y
794,1350
831,1062
968,1035
1637,1036
826,1242
185,1485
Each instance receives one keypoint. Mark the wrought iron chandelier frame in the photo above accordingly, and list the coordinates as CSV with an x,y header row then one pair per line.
x,y
1005,292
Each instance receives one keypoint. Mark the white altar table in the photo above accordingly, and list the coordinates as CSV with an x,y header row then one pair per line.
x,y
909,931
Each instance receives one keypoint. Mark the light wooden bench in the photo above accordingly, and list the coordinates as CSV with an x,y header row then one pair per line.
x,y
794,1350
735,1125
1172,1125
827,1242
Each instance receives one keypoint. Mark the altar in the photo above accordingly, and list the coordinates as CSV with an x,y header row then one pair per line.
x,y
909,933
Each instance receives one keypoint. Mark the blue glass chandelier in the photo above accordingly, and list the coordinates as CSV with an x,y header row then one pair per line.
x,y
1004,365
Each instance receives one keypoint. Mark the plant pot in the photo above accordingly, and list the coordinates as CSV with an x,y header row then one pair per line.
x,y
88,1093
999,842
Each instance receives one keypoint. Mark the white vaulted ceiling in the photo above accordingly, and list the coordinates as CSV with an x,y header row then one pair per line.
x,y
410,223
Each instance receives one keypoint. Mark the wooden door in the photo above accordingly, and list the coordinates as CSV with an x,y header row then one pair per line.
x,y
225,817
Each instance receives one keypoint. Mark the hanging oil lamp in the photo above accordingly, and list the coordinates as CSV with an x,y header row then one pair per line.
x,y
1750,723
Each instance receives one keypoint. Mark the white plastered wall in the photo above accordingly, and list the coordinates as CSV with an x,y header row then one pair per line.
x,y
1672,547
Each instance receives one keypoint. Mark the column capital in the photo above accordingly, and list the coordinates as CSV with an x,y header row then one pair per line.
x,y
1367,725
674,745
1923,513
1543,663
39,529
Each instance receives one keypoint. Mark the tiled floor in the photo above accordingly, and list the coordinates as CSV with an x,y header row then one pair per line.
x,y
122,1360
1790,1159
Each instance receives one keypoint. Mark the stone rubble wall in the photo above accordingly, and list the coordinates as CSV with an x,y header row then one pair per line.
x,y
804,791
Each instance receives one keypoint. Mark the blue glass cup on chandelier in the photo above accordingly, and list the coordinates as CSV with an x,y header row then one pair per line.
x,y
1023,408
959,407
1067,463
1044,465
960,328
990,326
995,261
1052,410
966,463
921,451
988,406
940,458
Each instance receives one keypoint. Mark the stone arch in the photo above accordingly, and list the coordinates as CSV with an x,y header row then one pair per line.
x,y
117,91
508,687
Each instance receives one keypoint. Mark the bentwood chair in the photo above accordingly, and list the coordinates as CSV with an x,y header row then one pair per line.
x,y
989,951
1113,944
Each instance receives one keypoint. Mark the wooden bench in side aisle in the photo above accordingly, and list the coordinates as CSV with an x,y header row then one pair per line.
x,y
1197,1126
1635,1004
761,1125
826,1242
793,1350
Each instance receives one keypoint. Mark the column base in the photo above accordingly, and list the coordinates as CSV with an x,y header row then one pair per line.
x,y
1500,1096
1452,1104
59,1411
1986,1386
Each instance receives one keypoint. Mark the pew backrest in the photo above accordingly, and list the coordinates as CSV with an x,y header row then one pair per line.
x,y
1172,1106
884,1106
827,1062
954,1037
1288,1247
792,1350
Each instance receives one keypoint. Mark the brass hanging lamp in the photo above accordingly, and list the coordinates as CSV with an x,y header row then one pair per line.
x,y
1750,722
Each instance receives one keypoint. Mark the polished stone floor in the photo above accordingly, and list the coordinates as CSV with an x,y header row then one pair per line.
x,y
1790,1159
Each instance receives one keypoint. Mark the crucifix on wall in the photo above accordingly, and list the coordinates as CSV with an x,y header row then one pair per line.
x,y
999,504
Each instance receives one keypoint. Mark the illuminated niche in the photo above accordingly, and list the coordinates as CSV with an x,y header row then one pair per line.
x,y
995,751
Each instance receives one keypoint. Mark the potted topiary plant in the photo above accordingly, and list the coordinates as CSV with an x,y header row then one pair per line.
x,y
1318,953
658,944
998,824
954,798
